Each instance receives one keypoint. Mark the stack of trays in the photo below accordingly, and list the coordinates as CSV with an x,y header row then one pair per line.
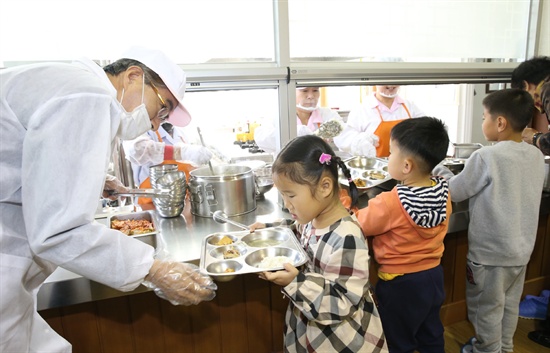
x,y
243,252
366,172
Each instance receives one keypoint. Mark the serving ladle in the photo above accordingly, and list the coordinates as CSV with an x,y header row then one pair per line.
x,y
220,217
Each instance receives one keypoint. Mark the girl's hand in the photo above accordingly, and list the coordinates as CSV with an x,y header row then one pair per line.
x,y
282,277
255,226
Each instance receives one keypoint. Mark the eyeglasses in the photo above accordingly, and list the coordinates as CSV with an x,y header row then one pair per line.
x,y
164,112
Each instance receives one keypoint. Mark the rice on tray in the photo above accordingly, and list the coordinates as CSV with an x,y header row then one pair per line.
x,y
274,261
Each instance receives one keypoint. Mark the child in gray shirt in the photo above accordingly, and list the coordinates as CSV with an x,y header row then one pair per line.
x,y
504,186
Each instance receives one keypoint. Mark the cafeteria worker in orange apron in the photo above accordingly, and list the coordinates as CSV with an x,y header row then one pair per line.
x,y
167,145
367,132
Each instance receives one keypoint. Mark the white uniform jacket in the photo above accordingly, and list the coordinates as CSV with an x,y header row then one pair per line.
x,y
265,135
57,123
365,117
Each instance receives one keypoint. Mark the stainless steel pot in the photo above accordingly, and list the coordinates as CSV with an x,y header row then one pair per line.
x,y
228,188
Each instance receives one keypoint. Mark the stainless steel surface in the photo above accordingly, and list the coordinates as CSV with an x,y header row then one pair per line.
x,y
182,238
455,165
168,177
221,217
229,188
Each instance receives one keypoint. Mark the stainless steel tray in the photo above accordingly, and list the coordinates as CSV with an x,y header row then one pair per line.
x,y
365,169
148,238
253,248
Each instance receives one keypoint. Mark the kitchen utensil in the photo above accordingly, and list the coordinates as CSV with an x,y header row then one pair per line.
x,y
202,142
144,193
229,188
465,150
221,218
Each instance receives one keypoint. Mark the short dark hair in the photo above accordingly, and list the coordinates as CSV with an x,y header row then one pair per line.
x,y
122,65
299,162
533,71
425,138
515,105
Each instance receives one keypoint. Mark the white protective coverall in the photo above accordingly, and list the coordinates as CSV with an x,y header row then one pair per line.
x,y
57,123
265,135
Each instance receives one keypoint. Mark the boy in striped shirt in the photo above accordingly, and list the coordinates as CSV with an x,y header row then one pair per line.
x,y
407,225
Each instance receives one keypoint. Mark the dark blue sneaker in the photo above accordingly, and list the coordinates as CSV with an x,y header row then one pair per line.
x,y
533,308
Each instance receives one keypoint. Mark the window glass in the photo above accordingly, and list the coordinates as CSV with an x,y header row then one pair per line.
x,y
225,117
420,30
188,31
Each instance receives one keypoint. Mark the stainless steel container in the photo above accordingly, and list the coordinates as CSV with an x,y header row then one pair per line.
x,y
465,150
229,188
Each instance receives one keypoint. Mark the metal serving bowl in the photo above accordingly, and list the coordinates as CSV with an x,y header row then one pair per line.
x,y
255,258
265,237
220,267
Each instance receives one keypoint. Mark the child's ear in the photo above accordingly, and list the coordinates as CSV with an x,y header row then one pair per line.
x,y
502,123
407,165
325,186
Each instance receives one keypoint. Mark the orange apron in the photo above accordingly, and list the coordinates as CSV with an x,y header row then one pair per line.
x,y
146,184
383,132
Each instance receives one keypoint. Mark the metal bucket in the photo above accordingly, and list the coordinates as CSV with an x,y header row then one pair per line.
x,y
228,188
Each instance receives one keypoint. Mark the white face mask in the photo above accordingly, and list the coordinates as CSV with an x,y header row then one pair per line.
x,y
389,95
308,109
136,122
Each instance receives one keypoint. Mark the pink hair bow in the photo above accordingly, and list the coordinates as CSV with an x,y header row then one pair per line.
x,y
325,158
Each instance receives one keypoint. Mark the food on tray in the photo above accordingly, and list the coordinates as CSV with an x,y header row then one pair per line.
x,y
231,253
274,261
225,240
133,226
360,183
377,175
229,270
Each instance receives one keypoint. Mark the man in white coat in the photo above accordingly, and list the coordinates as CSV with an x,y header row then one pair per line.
x,y
58,123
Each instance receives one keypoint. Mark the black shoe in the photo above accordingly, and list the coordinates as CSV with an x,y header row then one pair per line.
x,y
540,337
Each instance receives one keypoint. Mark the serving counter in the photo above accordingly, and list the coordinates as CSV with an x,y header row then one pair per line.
x,y
247,314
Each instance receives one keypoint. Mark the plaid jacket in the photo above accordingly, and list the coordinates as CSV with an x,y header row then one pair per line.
x,y
331,308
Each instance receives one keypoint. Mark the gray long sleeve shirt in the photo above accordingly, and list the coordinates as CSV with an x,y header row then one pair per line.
x,y
504,184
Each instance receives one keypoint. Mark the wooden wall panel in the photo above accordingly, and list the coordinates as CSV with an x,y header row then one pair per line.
x,y
146,324
114,325
258,311
205,321
233,315
80,328
448,263
53,318
279,305
534,268
177,328
459,280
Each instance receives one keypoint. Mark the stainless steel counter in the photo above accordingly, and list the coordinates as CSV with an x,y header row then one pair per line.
x,y
182,238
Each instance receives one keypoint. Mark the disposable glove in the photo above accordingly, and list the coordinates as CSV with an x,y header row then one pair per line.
x,y
364,145
112,185
303,130
180,283
194,154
